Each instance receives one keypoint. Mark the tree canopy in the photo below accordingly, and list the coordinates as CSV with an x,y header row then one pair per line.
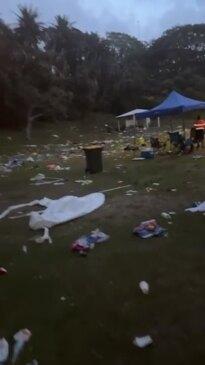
x,y
59,72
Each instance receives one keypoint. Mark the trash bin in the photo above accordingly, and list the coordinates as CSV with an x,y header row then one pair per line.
x,y
93,158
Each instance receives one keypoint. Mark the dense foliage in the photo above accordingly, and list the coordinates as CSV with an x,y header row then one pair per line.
x,y
59,72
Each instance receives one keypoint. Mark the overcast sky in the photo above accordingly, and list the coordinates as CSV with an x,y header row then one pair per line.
x,y
145,19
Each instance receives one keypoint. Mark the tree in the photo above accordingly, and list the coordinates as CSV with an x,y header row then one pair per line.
x,y
177,58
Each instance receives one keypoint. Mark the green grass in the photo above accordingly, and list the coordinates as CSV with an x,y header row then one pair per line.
x,y
104,308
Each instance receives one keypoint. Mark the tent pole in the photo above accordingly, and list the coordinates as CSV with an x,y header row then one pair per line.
x,y
118,125
183,124
171,125
134,118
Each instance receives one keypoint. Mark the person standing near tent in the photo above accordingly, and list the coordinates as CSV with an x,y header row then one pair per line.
x,y
199,127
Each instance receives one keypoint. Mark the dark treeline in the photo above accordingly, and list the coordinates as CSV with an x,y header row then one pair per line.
x,y
60,73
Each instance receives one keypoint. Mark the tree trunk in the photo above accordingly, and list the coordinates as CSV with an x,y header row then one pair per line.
x,y
29,124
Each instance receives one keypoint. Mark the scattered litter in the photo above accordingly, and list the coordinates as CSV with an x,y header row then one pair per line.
x,y
63,299
15,161
55,135
138,159
4,169
142,342
4,350
119,187
38,177
53,181
87,242
131,192
148,189
84,182
198,208
58,183
3,271
120,181
173,190
33,362
144,286
156,184
172,213
196,157
166,215
20,338
45,237
54,167
30,159
149,229
25,249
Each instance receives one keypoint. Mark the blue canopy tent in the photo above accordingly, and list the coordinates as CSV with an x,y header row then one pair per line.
x,y
175,103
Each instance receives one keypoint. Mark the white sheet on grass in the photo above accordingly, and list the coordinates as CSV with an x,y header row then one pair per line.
x,y
59,210
199,208
64,209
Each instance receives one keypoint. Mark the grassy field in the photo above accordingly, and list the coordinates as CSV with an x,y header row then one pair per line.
x,y
104,309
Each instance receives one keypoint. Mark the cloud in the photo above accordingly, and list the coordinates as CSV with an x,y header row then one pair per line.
x,y
145,19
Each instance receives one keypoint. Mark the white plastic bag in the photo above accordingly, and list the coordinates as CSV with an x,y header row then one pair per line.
x,y
142,342
4,350
20,338
144,286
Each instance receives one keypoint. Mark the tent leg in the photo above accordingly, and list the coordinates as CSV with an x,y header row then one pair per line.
x,y
183,124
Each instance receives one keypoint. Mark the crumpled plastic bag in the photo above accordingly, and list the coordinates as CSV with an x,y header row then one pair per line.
x,y
4,350
20,338
87,242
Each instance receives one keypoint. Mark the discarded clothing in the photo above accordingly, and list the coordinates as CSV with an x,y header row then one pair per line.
x,y
87,242
149,229
198,208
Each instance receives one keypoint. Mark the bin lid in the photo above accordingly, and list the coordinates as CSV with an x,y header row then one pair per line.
x,y
92,147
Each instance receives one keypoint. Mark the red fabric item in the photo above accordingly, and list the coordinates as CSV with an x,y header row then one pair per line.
x,y
199,124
